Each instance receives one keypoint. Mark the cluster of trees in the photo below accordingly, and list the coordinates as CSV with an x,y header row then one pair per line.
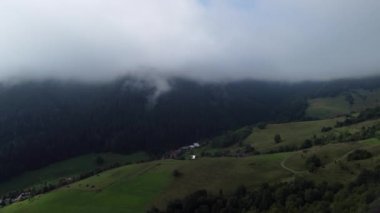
x,y
297,196
336,137
316,141
261,125
284,148
313,163
364,133
326,129
359,154
242,151
368,114
277,138
307,144
341,137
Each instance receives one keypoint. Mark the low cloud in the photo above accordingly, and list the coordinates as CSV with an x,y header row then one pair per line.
x,y
157,84
202,39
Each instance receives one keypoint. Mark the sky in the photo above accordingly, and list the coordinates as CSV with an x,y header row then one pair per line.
x,y
203,39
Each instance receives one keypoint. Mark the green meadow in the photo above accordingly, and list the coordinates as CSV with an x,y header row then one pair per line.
x,y
140,186
294,133
74,166
336,106
137,187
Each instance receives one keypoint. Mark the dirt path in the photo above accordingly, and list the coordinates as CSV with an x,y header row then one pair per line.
x,y
289,169
341,158
349,152
295,172
346,154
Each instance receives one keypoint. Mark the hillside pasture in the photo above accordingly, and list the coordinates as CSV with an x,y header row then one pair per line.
x,y
336,106
292,134
74,166
137,187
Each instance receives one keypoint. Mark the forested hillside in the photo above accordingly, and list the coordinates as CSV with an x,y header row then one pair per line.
x,y
46,121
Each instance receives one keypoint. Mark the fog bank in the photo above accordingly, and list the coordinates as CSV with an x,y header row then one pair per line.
x,y
202,39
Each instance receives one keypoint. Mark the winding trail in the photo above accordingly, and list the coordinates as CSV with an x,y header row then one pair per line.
x,y
346,154
289,169
295,172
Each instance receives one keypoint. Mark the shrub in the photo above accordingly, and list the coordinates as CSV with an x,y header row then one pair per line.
x,y
249,149
326,129
277,138
262,125
307,144
313,163
359,154
177,173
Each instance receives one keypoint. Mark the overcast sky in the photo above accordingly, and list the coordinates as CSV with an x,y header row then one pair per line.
x,y
205,39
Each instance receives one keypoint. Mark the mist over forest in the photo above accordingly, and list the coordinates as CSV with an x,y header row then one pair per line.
x,y
46,121
182,106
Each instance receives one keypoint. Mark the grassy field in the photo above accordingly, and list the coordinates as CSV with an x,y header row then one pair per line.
x,y
336,106
327,154
328,107
291,133
294,133
135,188
66,168
125,189
334,158
225,174
138,187
344,171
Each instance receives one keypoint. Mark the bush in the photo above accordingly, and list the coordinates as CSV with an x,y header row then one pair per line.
x,y
359,154
177,173
249,149
313,163
262,125
326,129
307,144
277,138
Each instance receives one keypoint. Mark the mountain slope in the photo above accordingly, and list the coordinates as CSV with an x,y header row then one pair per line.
x,y
138,187
64,169
346,103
